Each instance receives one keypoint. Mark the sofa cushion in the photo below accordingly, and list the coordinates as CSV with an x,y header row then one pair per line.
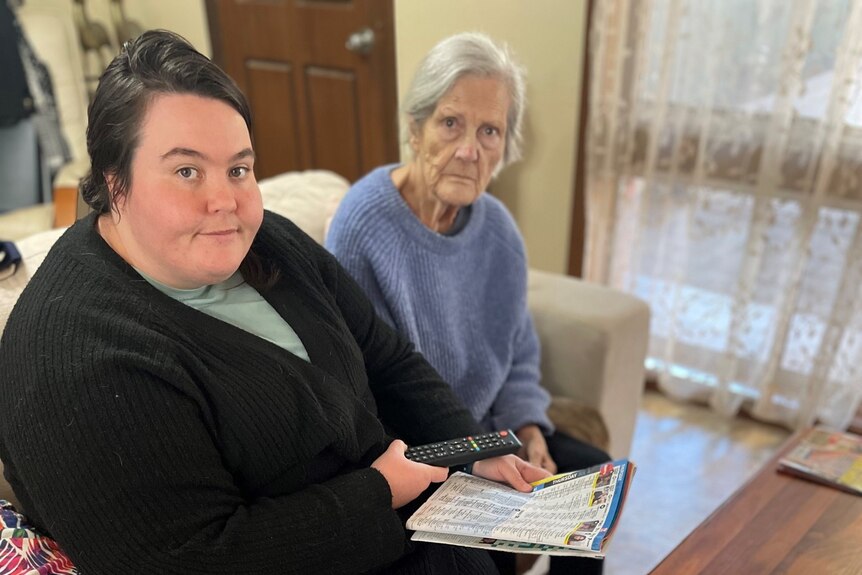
x,y
23,222
308,199
33,250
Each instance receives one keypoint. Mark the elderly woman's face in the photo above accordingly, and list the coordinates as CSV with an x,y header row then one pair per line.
x,y
194,206
460,144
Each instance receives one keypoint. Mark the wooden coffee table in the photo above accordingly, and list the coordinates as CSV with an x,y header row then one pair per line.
x,y
775,524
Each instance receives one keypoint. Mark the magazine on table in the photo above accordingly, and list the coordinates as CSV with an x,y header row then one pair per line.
x,y
569,514
826,456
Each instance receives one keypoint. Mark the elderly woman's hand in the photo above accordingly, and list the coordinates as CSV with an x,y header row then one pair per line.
x,y
407,479
535,448
510,469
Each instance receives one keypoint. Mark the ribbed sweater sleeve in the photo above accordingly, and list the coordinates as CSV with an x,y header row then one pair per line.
x,y
149,438
461,299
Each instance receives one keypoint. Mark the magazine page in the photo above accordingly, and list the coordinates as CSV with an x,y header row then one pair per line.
x,y
830,457
575,510
502,545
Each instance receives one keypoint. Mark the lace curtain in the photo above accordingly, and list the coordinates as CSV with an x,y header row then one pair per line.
x,y
724,187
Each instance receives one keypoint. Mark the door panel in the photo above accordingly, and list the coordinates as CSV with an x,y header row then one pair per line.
x,y
270,87
333,99
316,104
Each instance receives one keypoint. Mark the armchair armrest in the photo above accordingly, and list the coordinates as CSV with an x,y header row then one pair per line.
x,y
594,342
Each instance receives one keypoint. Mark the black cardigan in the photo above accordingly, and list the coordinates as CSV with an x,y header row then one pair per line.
x,y
148,437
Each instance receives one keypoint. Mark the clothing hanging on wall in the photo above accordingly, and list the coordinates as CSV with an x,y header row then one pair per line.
x,y
26,103
15,101
20,170
53,147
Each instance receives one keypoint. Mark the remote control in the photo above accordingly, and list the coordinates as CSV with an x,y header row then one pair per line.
x,y
465,450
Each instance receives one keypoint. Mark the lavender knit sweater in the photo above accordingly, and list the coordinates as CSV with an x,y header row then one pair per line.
x,y
461,299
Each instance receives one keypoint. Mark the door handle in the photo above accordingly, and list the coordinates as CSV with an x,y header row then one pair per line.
x,y
361,41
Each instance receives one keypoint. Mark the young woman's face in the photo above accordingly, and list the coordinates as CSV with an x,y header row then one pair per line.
x,y
193,206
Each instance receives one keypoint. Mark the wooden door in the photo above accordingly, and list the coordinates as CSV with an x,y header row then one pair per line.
x,y
316,103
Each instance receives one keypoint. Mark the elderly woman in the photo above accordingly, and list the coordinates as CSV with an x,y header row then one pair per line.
x,y
443,262
192,385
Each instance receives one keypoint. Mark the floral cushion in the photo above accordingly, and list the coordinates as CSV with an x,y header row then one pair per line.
x,y
24,551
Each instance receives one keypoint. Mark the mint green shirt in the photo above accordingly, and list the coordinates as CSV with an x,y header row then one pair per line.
x,y
235,302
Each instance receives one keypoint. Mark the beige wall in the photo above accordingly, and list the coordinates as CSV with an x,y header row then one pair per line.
x,y
548,38
185,17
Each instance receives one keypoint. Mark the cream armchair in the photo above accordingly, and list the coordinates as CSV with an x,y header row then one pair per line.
x,y
593,338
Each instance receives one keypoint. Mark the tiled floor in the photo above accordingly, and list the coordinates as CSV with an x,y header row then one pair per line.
x,y
689,461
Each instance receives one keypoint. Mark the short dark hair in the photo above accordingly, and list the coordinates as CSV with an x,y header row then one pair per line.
x,y
156,62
